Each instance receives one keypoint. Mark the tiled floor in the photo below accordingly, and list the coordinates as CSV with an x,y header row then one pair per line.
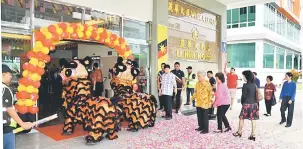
x,y
269,134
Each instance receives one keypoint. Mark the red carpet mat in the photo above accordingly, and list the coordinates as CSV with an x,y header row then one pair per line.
x,y
55,131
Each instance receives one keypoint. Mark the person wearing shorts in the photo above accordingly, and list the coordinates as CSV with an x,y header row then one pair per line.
x,y
232,84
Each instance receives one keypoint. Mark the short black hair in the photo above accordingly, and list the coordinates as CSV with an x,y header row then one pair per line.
x,y
166,66
163,64
249,76
220,76
211,72
233,68
289,74
177,63
270,78
96,65
255,73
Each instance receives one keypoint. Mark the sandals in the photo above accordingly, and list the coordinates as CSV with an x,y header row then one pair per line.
x,y
237,134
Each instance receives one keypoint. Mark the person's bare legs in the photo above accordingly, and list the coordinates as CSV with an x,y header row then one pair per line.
x,y
231,104
253,128
239,132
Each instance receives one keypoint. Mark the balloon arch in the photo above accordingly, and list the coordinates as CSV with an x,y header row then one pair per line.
x,y
45,40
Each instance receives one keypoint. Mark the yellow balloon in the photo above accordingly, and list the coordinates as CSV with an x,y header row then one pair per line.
x,y
80,34
21,88
80,28
90,28
116,42
36,77
36,49
56,25
59,31
126,54
30,89
107,40
100,30
36,91
43,29
38,44
123,46
28,102
25,73
70,30
97,37
34,61
48,35
21,102
45,50
88,34
41,64
109,34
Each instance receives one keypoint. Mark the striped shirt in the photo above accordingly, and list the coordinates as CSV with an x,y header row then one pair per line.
x,y
167,83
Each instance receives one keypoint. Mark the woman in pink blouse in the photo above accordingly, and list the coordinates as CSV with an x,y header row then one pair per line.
x,y
222,102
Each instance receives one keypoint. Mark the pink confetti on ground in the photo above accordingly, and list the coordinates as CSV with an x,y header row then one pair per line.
x,y
179,133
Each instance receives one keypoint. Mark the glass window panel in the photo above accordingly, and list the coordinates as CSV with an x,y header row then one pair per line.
x,y
134,29
104,20
268,56
235,16
241,55
243,25
228,26
235,26
280,58
13,12
296,61
228,16
243,14
251,13
252,24
289,60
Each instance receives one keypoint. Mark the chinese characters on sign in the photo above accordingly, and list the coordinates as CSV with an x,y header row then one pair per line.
x,y
181,9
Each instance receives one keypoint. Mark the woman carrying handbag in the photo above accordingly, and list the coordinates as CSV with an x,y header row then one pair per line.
x,y
269,93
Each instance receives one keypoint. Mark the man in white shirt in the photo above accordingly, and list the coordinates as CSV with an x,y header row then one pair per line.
x,y
168,86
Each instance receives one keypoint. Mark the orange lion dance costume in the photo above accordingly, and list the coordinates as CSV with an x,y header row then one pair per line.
x,y
139,109
97,114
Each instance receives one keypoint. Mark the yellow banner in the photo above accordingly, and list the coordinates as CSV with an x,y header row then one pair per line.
x,y
162,45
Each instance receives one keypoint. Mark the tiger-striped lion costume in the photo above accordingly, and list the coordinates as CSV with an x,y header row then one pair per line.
x,y
139,108
97,114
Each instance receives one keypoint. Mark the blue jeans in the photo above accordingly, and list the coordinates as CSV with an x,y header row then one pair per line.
x,y
9,141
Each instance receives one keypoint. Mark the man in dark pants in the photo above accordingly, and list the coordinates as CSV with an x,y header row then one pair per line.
x,y
180,80
212,82
168,86
287,99
159,77
190,84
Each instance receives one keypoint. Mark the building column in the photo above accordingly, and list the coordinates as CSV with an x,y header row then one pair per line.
x,y
160,16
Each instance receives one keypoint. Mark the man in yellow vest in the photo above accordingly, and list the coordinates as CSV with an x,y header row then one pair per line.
x,y
190,78
10,116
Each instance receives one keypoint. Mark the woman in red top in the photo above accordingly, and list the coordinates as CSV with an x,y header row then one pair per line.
x,y
268,94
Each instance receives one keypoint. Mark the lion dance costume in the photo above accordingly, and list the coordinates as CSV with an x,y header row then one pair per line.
x,y
101,115
97,114
139,109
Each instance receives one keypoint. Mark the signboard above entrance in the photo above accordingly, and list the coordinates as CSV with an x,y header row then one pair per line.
x,y
191,13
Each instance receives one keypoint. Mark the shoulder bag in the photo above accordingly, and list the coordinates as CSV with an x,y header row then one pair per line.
x,y
273,99
259,95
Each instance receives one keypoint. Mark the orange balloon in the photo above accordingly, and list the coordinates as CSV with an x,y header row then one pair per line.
x,y
85,27
101,41
127,48
94,34
40,55
65,35
113,37
30,54
52,28
22,95
63,26
40,71
74,36
39,36
46,58
47,42
74,26
52,48
55,37
31,68
121,40
36,84
34,96
33,110
23,81
22,109
25,66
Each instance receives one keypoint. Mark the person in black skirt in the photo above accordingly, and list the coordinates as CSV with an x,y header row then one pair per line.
x,y
97,81
250,108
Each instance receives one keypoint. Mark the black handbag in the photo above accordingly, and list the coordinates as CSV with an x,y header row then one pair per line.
x,y
273,100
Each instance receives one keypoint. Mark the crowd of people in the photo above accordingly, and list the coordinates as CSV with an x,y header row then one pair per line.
x,y
220,92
